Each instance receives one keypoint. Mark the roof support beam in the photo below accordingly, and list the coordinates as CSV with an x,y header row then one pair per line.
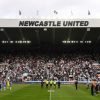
x,y
69,34
37,35
53,33
7,36
87,30
98,38
83,38
21,33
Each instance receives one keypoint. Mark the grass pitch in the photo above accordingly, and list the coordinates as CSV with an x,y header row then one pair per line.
x,y
35,92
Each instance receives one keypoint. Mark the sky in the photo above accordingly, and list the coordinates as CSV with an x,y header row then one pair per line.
x,y
45,8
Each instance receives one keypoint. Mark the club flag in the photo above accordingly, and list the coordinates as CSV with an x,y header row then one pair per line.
x,y
20,12
55,12
89,12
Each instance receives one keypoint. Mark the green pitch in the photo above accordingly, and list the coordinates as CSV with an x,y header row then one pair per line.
x,y
34,92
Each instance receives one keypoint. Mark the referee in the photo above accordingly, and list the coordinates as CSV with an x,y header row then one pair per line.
x,y
51,82
59,84
0,86
92,90
42,83
76,84
47,82
54,83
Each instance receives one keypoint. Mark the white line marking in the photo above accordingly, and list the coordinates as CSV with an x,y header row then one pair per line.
x,y
50,93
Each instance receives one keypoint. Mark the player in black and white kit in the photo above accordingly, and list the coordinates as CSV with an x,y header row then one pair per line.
x,y
0,85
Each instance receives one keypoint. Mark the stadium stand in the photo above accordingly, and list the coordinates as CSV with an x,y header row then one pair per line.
x,y
65,67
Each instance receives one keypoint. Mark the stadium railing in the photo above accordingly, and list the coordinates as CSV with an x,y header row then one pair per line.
x,y
62,82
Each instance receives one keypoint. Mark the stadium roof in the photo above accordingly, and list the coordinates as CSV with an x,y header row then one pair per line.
x,y
49,31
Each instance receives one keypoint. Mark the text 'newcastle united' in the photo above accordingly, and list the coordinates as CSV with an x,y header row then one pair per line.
x,y
53,23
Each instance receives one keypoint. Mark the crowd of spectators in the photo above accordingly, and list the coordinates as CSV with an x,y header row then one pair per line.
x,y
65,67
